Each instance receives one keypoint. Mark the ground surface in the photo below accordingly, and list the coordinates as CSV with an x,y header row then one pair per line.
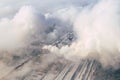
x,y
36,68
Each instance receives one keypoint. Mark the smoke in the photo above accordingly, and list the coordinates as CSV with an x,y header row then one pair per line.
x,y
15,31
97,29
95,25
26,27
21,26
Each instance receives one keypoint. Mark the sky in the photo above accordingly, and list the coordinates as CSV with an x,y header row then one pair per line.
x,y
10,7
